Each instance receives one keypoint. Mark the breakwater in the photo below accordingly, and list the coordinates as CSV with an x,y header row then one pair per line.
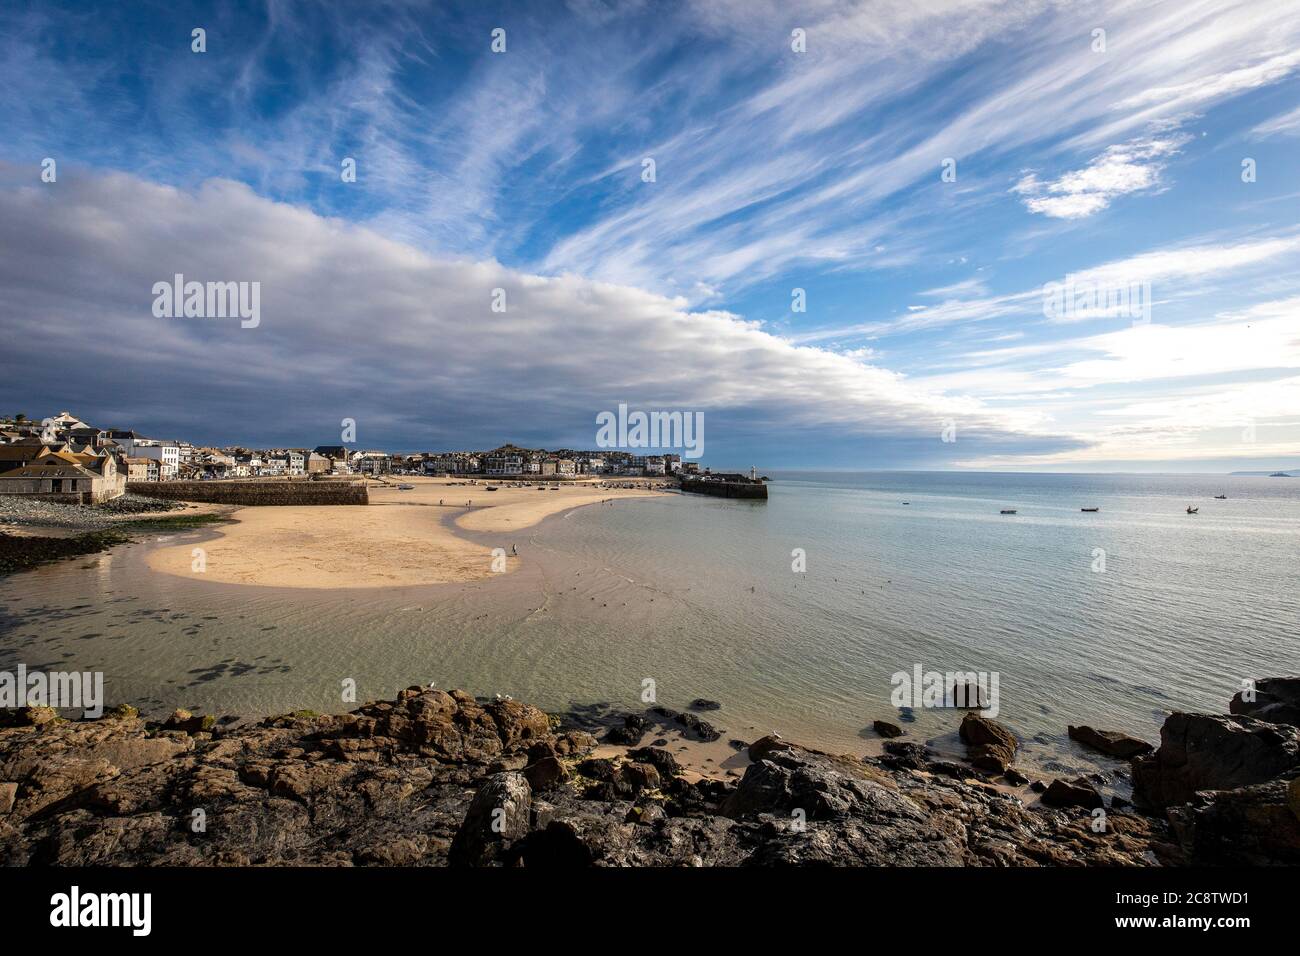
x,y
726,489
256,493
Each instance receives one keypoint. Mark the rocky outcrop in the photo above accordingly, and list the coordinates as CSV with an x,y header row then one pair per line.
x,y
1212,752
1072,793
434,778
990,746
1276,699
498,816
1251,826
885,729
1110,742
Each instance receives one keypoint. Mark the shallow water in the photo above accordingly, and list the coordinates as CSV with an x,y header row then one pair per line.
x,y
698,595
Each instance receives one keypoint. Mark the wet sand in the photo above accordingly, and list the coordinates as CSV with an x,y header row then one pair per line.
x,y
402,539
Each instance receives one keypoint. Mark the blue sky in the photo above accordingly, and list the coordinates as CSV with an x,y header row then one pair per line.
x,y
1118,164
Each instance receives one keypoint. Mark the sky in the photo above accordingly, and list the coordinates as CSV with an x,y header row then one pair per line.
x,y
921,234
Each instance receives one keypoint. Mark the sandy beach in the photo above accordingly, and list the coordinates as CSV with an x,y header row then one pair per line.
x,y
402,539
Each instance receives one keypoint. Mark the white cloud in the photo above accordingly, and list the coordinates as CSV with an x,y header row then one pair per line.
x,y
1284,124
1130,167
357,325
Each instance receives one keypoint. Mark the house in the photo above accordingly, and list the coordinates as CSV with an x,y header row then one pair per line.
x,y
504,465
138,469
654,465
23,452
566,466
86,435
317,464
61,476
167,455
372,463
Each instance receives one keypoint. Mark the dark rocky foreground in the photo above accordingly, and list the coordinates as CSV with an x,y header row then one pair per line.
x,y
438,778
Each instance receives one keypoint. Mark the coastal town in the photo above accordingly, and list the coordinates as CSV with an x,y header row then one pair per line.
x,y
64,458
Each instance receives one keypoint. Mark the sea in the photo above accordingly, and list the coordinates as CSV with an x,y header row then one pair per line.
x,y
795,613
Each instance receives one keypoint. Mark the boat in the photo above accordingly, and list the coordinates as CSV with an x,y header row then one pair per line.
x,y
491,487
1191,510
405,487
907,502
1089,509
1007,511
1220,497
1279,474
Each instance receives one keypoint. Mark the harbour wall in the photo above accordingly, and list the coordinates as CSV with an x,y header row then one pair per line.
x,y
256,492
725,489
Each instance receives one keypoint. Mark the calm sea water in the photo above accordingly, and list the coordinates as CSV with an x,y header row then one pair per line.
x,y
698,595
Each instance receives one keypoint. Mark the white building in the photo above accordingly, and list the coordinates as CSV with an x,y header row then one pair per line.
x,y
501,465
168,456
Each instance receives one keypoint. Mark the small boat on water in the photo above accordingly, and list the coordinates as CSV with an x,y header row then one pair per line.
x,y
1191,510
1089,509
907,502
1220,497
1007,511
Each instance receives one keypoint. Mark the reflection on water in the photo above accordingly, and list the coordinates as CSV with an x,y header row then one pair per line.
x,y
698,595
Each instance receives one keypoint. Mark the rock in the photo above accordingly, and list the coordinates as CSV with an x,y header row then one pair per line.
x,y
183,720
647,814
1293,797
660,759
1277,700
498,816
545,774
702,703
990,746
598,768
1015,778
1110,742
886,729
765,746
902,755
639,776
1076,793
409,781
630,733
27,716
1248,826
1038,786
702,729
1212,752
